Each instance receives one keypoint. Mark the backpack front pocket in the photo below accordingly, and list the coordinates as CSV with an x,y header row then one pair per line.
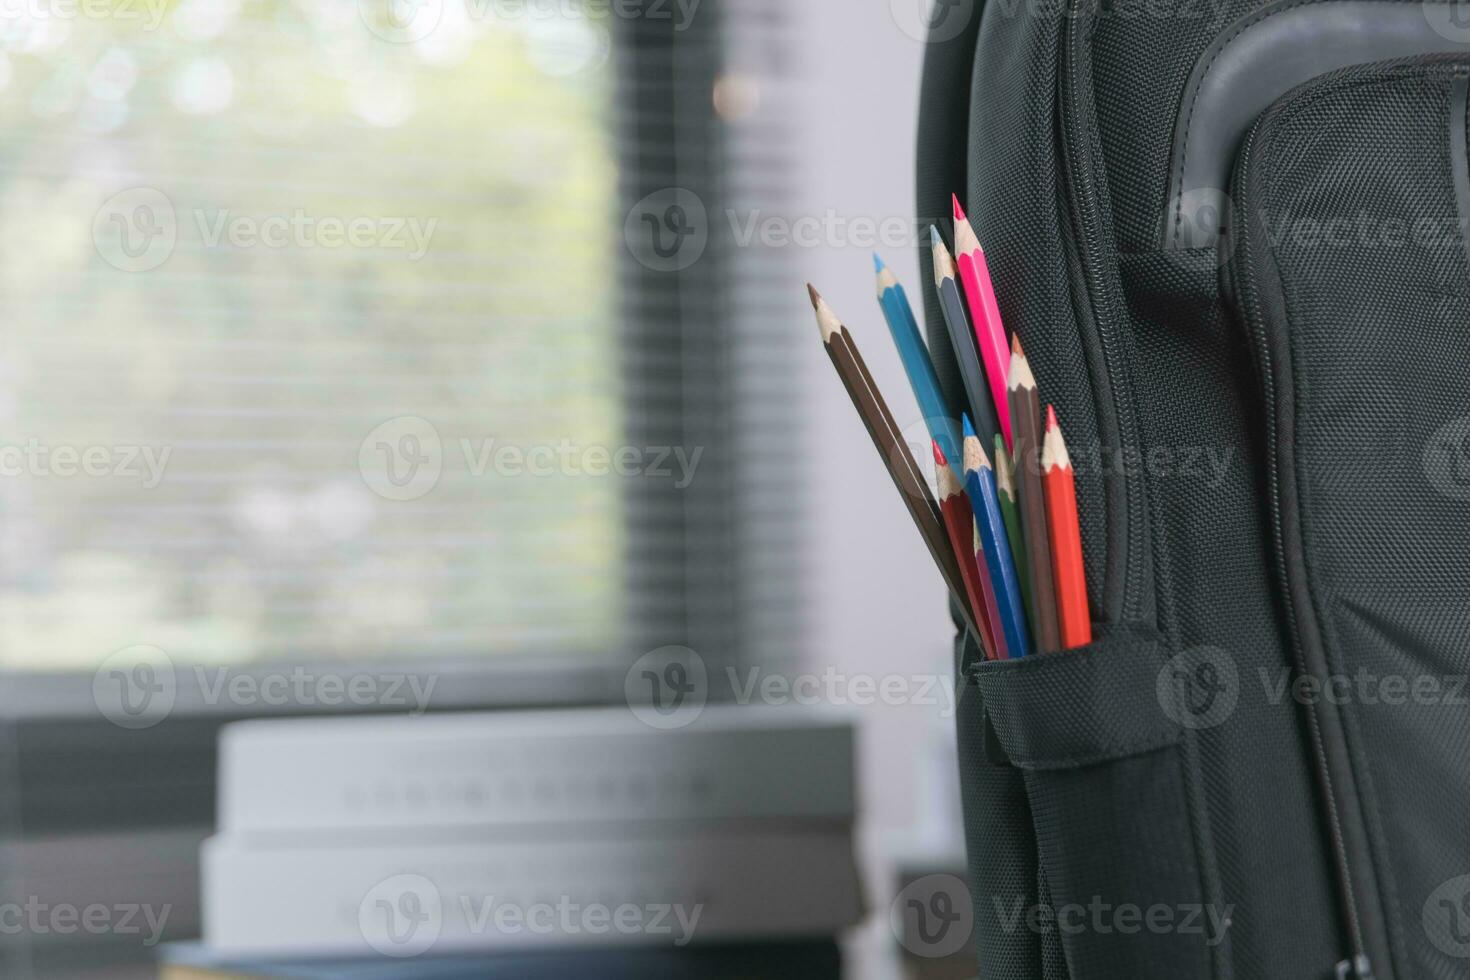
x,y
1093,737
1351,273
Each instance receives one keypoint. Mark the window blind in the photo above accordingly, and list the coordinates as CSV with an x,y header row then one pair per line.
x,y
329,336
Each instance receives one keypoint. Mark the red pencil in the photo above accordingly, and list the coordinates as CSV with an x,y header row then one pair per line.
x,y
959,520
990,333
1073,618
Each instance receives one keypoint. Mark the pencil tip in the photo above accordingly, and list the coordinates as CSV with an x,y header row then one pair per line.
x,y
969,428
938,453
1016,346
812,292
959,212
878,265
935,238
1051,418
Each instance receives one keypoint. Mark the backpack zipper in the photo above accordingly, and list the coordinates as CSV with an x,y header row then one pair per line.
x,y
1359,966
1077,163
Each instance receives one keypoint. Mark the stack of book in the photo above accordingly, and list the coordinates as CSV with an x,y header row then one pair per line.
x,y
436,835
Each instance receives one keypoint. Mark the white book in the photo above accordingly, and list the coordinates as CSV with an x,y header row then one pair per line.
x,y
414,894
534,769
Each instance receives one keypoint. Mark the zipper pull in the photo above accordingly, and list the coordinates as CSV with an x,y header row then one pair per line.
x,y
1357,968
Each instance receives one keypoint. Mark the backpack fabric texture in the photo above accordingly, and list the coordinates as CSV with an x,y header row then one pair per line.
x,y
1232,237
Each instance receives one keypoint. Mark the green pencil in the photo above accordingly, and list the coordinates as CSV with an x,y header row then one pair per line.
x,y
1005,484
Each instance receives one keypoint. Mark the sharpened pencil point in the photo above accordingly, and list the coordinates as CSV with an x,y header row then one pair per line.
x,y
816,296
969,428
935,238
959,212
1016,345
878,265
938,454
1051,418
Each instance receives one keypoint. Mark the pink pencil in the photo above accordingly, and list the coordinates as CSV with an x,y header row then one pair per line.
x,y
990,333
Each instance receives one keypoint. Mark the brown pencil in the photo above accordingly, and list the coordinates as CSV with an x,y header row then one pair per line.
x,y
1026,431
888,439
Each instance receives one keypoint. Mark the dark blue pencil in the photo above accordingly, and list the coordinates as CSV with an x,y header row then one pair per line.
x,y
939,418
962,339
995,543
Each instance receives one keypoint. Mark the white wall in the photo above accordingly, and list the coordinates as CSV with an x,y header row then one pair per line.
x,y
880,606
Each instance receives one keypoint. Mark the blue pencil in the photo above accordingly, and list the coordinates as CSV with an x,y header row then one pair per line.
x,y
995,543
938,417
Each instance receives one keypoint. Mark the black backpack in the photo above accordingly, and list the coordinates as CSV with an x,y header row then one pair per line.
x,y
1232,237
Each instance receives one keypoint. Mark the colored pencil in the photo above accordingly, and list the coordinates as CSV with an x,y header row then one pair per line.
x,y
962,338
941,421
990,334
959,520
889,441
1073,618
995,544
1005,485
1026,419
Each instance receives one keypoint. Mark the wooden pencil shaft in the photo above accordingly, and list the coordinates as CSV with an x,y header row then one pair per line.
x,y
977,389
1026,430
959,521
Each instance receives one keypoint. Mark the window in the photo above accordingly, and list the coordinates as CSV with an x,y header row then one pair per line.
x,y
330,336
